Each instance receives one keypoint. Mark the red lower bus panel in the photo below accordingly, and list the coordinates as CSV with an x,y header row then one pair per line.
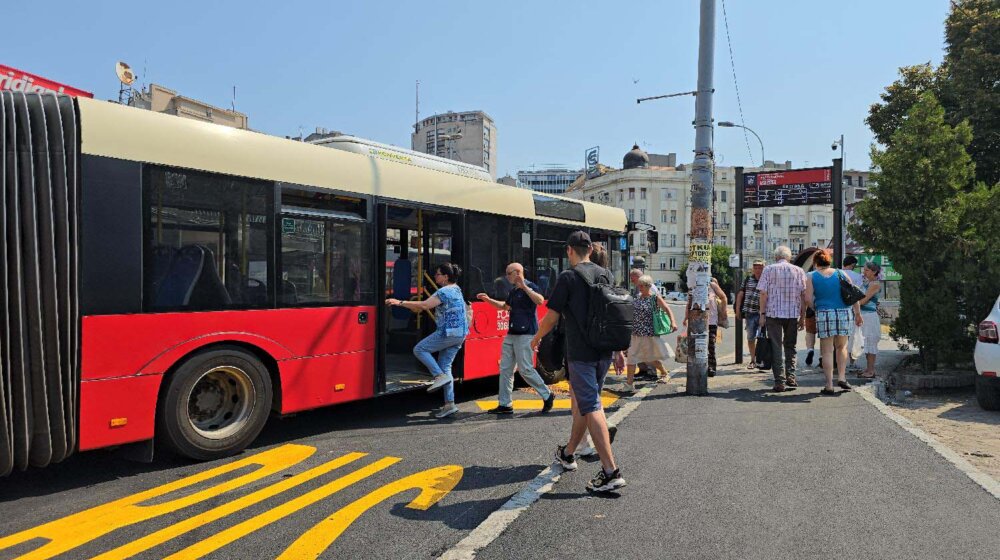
x,y
124,345
485,340
322,380
128,401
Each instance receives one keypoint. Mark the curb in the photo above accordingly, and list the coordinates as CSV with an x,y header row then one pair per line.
x,y
979,477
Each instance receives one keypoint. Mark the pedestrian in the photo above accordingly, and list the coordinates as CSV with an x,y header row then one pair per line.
x,y
871,329
833,319
747,307
849,263
447,339
587,366
522,302
716,298
647,346
646,371
782,288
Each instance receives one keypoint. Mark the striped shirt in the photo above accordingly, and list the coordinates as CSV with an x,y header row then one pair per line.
x,y
784,284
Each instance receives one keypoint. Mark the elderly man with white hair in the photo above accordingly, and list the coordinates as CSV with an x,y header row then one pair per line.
x,y
782,288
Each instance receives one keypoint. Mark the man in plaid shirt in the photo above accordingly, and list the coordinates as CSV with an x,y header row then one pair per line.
x,y
782,288
748,307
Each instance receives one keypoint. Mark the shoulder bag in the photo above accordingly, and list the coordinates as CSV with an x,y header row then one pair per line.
x,y
661,320
850,293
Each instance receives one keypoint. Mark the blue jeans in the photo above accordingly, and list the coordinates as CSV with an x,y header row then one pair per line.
x,y
447,348
517,349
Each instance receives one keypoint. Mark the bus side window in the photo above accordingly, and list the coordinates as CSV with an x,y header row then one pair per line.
x,y
325,248
208,241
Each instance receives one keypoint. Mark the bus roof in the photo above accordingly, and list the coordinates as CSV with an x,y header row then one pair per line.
x,y
395,153
112,130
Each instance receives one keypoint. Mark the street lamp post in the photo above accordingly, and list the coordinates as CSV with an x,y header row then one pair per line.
x,y
730,124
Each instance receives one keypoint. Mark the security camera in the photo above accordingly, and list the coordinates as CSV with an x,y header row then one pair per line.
x,y
833,146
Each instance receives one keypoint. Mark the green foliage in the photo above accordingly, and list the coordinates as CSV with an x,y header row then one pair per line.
x,y
971,74
965,84
720,269
936,204
919,215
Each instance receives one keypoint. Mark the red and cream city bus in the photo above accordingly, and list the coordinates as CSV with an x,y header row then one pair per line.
x,y
172,279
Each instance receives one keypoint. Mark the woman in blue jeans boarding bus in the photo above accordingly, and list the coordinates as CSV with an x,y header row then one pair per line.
x,y
452,327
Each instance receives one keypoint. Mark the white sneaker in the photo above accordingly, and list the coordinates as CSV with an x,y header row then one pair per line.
x,y
439,381
628,387
446,411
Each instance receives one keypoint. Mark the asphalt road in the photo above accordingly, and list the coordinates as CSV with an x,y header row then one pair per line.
x,y
738,474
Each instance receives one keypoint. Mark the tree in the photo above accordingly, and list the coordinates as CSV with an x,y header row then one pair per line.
x,y
917,182
971,79
720,269
965,84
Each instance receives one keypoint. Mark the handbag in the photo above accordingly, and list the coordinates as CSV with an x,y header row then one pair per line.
x,y
850,293
661,321
763,355
723,315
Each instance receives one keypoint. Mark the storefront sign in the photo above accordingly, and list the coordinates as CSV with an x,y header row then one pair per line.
x,y
12,79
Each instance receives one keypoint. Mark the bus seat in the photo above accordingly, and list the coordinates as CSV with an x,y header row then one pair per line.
x,y
402,279
178,283
162,258
208,291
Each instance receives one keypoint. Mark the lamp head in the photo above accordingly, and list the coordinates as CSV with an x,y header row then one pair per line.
x,y
727,124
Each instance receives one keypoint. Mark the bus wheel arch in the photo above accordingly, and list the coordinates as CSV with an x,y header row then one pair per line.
x,y
214,401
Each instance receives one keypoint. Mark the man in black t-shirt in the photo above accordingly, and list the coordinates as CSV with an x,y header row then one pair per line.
x,y
522,302
586,366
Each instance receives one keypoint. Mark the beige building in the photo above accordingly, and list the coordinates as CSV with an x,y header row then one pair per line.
x,y
469,137
659,195
162,100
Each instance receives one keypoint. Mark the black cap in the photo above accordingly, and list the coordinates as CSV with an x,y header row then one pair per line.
x,y
578,239
850,260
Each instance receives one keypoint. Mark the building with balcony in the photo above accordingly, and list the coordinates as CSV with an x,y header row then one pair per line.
x,y
469,137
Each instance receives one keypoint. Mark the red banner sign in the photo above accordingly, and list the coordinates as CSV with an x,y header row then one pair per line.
x,y
12,79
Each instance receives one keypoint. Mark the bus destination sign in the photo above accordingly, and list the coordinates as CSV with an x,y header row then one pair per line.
x,y
794,187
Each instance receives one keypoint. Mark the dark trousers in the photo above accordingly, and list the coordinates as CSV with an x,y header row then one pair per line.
x,y
783,334
713,331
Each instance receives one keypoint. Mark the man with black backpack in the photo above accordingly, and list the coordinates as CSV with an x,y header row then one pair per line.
x,y
598,322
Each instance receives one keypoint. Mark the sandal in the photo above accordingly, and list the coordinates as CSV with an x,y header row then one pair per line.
x,y
862,376
825,391
844,385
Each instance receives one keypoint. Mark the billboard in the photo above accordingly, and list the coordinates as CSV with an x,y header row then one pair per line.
x,y
792,187
12,79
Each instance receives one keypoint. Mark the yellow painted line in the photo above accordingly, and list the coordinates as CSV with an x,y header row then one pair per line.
x,y
607,399
243,529
75,530
159,537
433,484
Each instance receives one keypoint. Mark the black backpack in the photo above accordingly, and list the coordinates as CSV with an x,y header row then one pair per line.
x,y
608,325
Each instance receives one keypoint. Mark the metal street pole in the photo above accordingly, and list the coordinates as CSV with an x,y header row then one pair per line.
x,y
699,272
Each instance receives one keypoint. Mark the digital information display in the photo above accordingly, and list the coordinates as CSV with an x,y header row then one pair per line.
x,y
794,187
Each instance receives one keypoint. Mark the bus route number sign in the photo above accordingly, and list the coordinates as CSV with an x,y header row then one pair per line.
x,y
793,187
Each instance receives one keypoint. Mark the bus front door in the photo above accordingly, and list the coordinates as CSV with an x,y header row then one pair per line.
x,y
416,240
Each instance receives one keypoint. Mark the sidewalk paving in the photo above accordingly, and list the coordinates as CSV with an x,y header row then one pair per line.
x,y
747,473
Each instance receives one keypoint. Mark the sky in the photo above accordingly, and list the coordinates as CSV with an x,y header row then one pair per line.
x,y
557,77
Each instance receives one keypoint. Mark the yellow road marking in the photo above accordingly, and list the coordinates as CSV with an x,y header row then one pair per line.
x,y
536,404
159,537
74,530
433,484
243,529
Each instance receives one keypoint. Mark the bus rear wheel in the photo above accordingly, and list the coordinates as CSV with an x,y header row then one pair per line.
x,y
216,404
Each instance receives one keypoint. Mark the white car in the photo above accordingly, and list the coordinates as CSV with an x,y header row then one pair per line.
x,y
987,358
676,296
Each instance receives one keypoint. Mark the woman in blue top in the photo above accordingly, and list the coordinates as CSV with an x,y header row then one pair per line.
x,y
871,330
452,327
833,319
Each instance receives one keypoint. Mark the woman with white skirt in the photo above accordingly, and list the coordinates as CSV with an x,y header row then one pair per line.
x,y
646,346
